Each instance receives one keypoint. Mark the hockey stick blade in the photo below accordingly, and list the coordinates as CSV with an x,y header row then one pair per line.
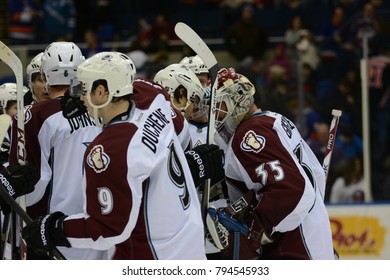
x,y
193,40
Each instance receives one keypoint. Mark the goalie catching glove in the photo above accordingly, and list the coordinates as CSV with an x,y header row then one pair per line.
x,y
236,229
17,180
45,233
206,162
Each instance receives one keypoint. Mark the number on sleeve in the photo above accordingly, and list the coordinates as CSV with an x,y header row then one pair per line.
x,y
105,200
275,168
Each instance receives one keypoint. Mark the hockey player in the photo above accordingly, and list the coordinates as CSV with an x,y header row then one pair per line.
x,y
8,105
139,192
8,98
196,65
55,145
16,179
182,85
35,82
274,180
179,79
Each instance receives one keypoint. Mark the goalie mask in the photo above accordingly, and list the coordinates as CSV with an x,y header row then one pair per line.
x,y
59,63
233,99
182,83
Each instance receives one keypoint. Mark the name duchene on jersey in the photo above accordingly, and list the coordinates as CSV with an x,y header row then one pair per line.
x,y
152,128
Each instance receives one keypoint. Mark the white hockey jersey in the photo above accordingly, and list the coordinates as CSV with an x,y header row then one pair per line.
x,y
268,155
139,192
56,145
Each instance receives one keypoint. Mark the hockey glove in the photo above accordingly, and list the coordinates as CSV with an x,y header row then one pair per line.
x,y
45,233
206,162
17,180
237,230
72,106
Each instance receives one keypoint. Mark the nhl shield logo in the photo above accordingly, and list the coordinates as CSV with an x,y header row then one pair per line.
x,y
252,142
97,159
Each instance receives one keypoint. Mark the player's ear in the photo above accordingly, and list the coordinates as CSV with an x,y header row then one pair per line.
x,y
101,91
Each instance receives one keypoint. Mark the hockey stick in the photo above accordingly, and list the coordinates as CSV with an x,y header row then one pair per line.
x,y
5,121
10,58
192,39
329,150
24,216
331,139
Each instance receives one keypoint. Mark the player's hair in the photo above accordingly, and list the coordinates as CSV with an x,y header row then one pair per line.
x,y
103,82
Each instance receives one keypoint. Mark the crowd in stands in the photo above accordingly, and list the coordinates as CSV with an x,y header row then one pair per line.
x,y
321,47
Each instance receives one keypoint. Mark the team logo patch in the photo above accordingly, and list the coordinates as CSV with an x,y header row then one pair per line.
x,y
97,159
27,114
252,142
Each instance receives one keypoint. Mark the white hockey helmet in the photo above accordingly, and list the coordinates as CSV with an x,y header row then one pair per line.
x,y
8,92
195,64
176,75
114,67
59,63
34,67
236,92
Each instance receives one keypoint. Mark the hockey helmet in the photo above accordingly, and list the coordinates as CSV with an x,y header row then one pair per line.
x,y
34,67
195,64
175,76
114,67
59,63
8,92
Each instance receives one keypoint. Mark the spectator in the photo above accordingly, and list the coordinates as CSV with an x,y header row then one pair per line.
x,y
292,33
317,141
307,50
329,35
23,15
348,142
93,44
60,20
349,186
349,7
379,97
157,37
279,66
106,15
362,26
246,40
278,99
